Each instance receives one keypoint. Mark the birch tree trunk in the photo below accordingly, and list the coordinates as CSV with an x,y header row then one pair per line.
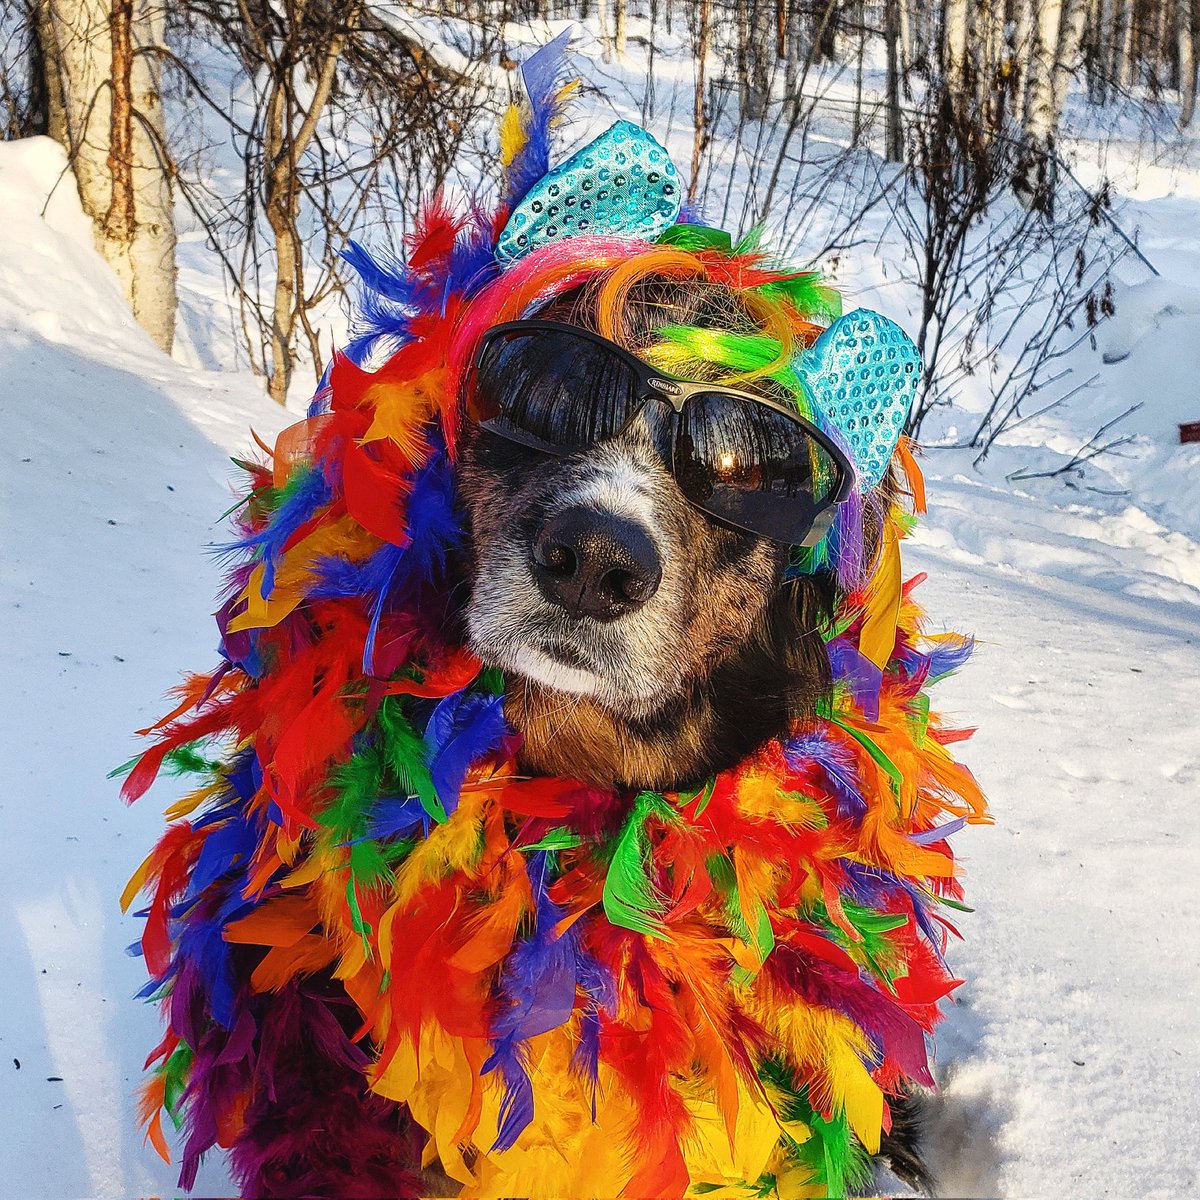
x,y
620,35
1021,55
894,132
704,19
1058,40
1069,54
1186,24
904,22
111,122
1121,66
602,21
954,47
51,70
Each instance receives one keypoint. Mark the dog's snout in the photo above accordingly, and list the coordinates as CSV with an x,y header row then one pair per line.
x,y
595,564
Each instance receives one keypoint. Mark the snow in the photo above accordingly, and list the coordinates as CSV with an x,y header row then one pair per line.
x,y
1069,1065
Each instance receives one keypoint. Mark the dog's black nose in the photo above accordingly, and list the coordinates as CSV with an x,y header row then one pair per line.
x,y
595,564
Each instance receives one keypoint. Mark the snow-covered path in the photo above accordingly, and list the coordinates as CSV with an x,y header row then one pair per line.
x,y
1071,1063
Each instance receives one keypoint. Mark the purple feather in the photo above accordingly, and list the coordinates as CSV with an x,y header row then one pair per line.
x,y
861,675
939,833
836,763
893,1032
542,74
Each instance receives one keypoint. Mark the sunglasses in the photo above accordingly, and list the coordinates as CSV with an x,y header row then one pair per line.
x,y
746,460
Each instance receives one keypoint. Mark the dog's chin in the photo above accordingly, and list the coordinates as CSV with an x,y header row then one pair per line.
x,y
564,670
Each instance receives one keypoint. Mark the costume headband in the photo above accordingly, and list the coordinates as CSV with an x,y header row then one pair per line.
x,y
861,375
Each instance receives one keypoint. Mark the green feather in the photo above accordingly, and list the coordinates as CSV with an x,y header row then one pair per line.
x,y
124,768
806,294
832,1152
696,237
404,754
874,949
356,918
187,760
178,1070
559,838
754,927
354,788
491,680
701,798
889,768
630,897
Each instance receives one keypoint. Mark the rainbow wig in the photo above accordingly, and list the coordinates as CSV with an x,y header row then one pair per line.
x,y
388,963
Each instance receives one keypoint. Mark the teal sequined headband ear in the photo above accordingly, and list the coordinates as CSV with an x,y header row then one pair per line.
x,y
862,374
622,184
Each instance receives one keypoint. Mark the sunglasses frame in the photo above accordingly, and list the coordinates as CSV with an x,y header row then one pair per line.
x,y
655,385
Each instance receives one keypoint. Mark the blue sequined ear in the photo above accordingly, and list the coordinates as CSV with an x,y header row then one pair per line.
x,y
862,374
620,185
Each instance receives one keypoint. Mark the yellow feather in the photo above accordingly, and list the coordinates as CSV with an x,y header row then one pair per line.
x,y
512,134
878,636
565,93
829,1049
449,847
343,538
400,411
188,804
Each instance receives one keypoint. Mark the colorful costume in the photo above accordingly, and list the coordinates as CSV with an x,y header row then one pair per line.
x,y
366,915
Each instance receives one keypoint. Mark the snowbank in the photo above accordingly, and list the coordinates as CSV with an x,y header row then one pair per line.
x,y
113,469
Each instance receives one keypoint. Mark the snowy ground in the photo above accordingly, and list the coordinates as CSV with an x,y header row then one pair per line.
x,y
1070,1065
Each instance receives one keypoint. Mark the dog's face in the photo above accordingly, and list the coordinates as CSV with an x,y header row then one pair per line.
x,y
593,576
644,644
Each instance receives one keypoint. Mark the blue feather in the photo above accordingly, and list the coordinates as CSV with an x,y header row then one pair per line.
x,y
383,274
306,495
433,520
473,260
537,994
542,74
462,729
395,816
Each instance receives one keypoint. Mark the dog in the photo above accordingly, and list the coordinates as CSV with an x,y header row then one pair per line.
x,y
645,643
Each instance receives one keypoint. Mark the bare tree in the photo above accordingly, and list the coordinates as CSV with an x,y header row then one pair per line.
x,y
1057,41
703,28
351,125
894,136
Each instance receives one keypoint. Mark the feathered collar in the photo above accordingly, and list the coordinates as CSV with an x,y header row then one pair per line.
x,y
572,991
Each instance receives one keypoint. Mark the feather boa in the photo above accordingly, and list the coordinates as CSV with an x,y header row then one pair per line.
x,y
568,991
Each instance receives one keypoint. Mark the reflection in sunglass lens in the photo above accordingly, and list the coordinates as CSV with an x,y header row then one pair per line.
x,y
553,388
751,465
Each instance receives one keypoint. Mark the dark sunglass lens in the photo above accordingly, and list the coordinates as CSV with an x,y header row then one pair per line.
x,y
553,388
752,465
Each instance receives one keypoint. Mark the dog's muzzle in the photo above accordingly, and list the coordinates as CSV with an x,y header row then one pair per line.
x,y
595,564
